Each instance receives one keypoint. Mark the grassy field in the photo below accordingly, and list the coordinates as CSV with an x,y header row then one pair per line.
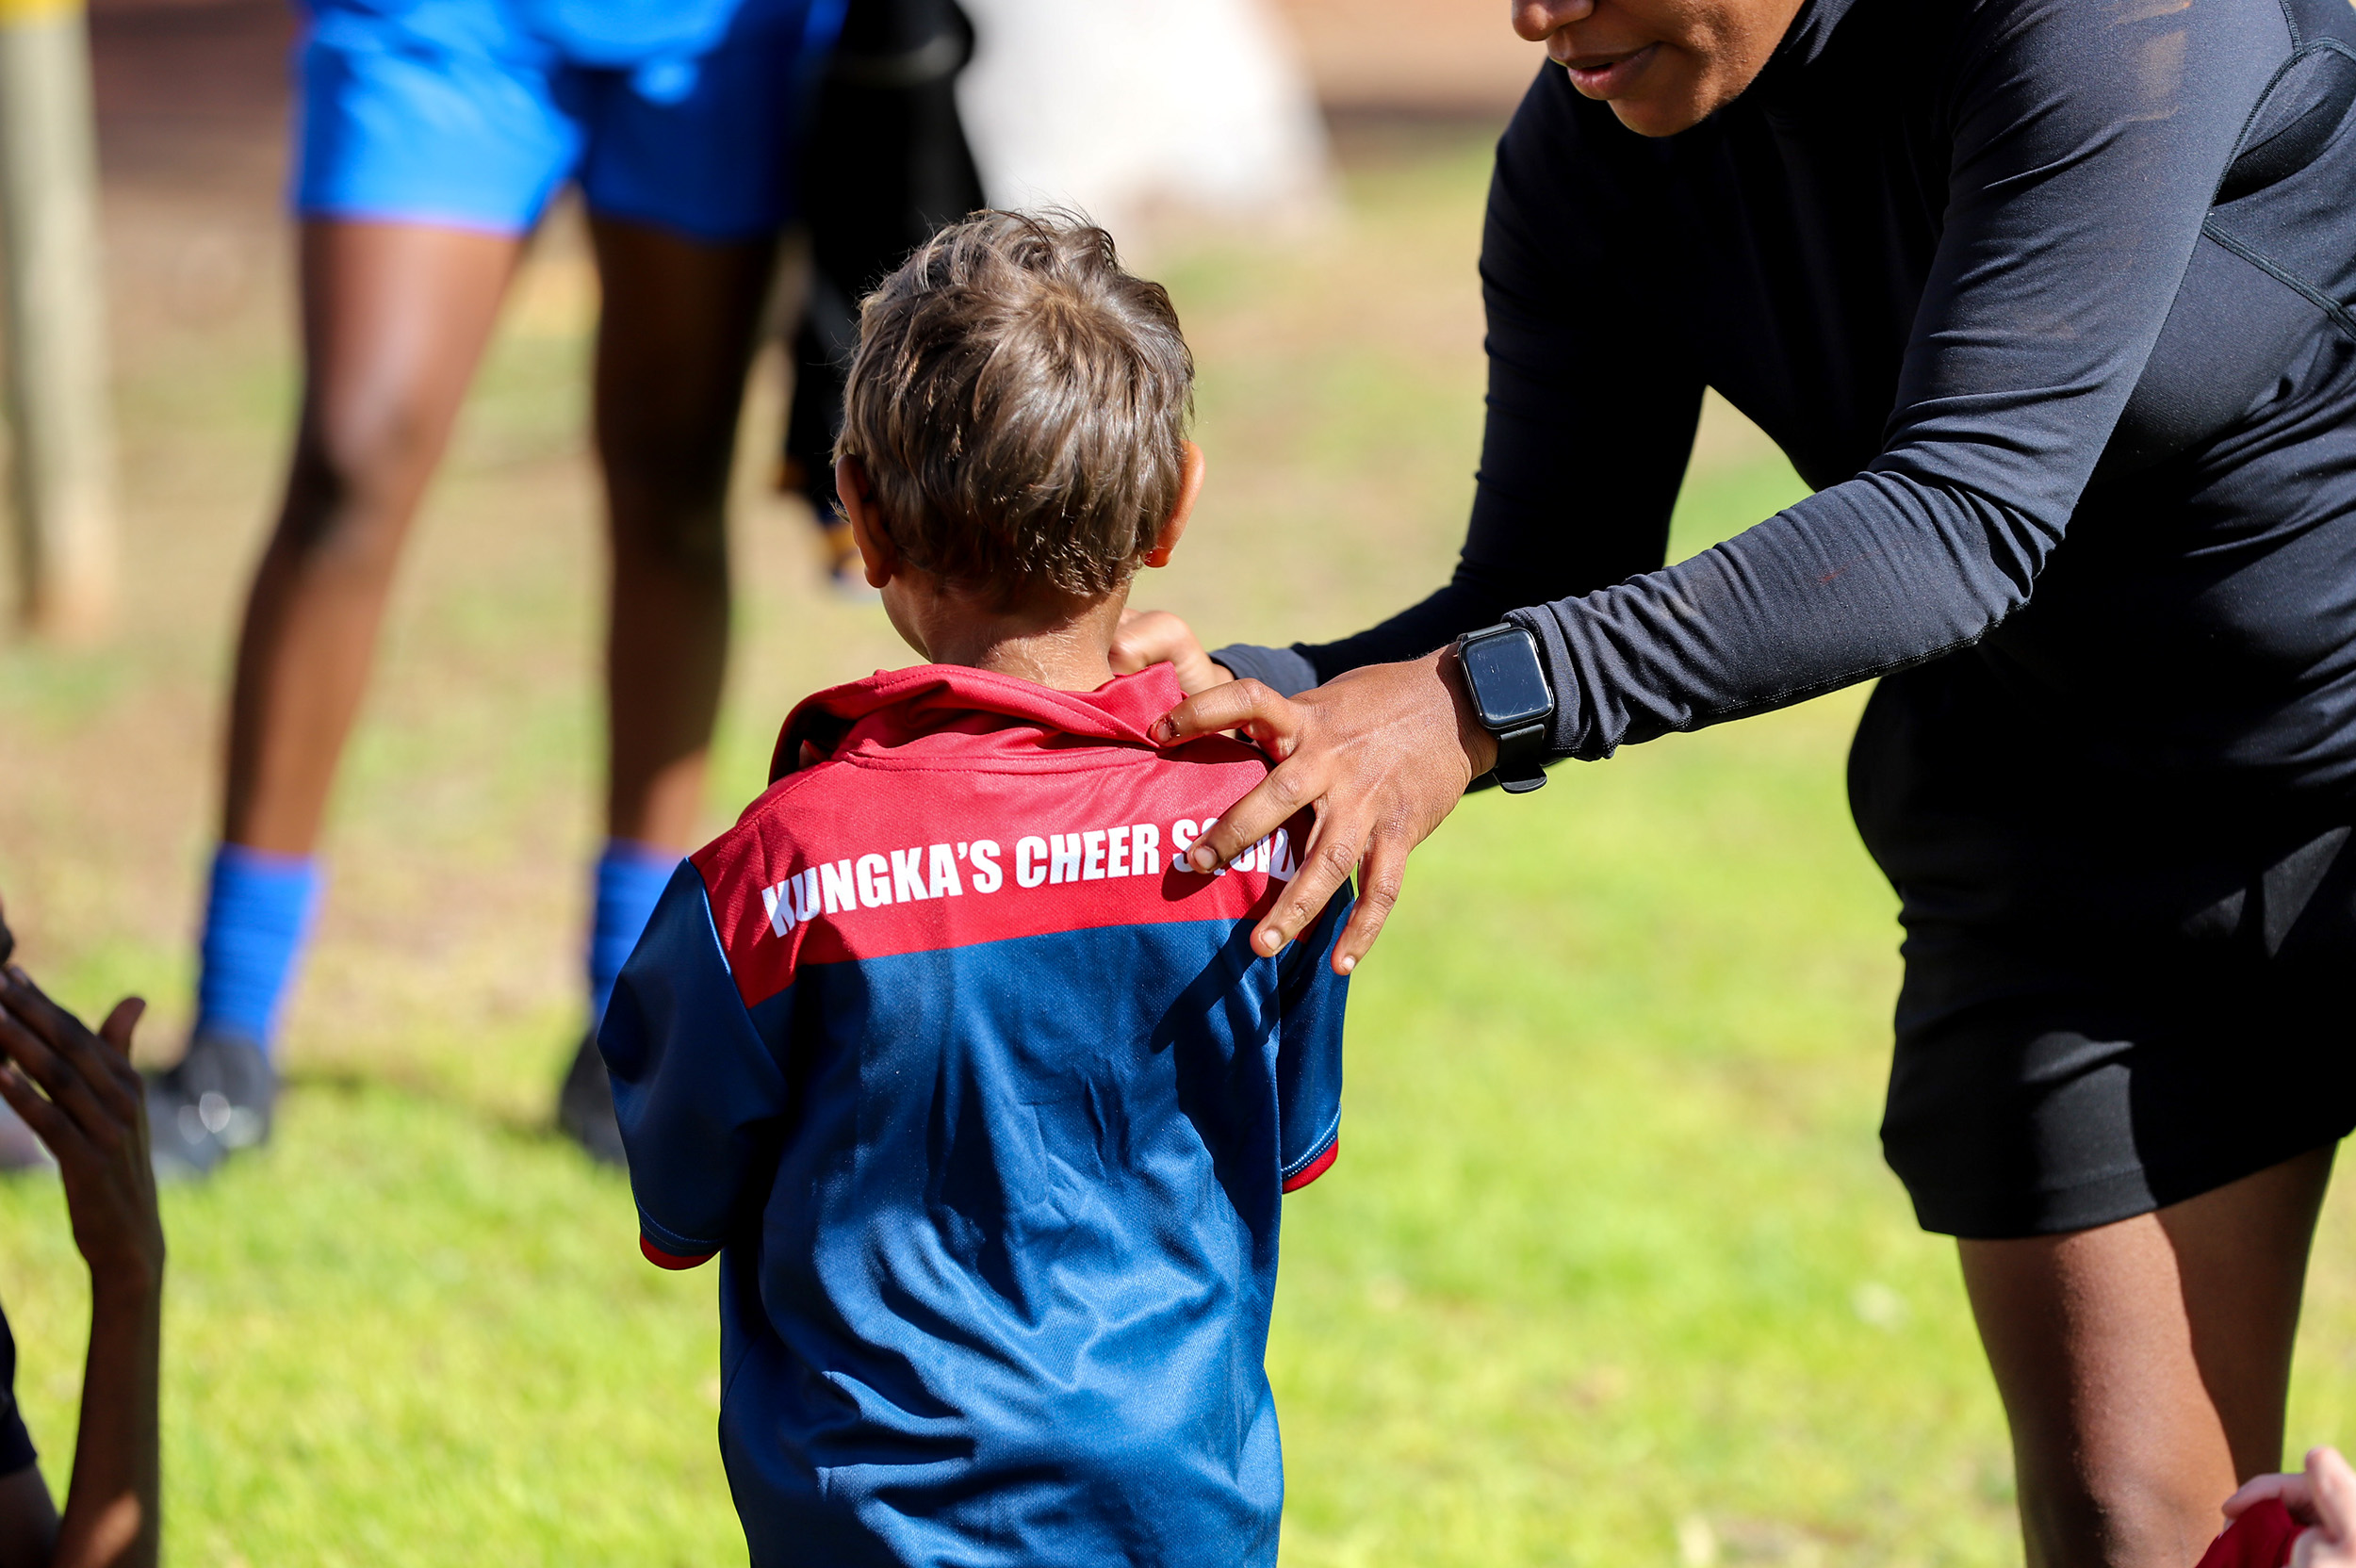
x,y
1609,1270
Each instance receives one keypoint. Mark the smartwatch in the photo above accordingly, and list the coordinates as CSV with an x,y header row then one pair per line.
x,y
1512,701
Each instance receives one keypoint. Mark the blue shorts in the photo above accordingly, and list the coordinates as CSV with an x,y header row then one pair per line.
x,y
472,113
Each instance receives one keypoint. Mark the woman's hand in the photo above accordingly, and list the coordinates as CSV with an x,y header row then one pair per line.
x,y
1147,637
91,1112
2323,1499
1383,753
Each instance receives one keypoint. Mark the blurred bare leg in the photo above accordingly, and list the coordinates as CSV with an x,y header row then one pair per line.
x,y
673,348
393,319
2144,1364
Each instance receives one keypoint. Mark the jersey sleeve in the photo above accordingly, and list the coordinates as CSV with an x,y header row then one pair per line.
x,y
1309,1051
699,1089
2087,141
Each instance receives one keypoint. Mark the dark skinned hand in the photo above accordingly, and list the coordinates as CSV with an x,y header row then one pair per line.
x,y
1382,753
1147,637
91,1112
80,1094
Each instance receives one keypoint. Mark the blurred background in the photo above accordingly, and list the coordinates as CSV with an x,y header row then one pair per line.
x,y
1610,1269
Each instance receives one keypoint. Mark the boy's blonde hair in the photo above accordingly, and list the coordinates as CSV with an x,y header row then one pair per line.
x,y
1020,403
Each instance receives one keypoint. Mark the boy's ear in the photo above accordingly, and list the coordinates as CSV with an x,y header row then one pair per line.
x,y
877,552
1174,526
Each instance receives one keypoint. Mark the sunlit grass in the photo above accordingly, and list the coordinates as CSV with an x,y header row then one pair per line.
x,y
1609,1270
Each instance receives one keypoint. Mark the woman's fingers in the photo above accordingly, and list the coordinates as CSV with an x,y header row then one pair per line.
x,y
1381,754
1327,862
1381,873
1269,805
1233,705
1149,637
1146,637
2293,1491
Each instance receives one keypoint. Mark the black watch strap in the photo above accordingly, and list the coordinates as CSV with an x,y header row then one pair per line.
x,y
1521,759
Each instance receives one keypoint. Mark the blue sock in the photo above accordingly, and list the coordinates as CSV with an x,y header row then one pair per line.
x,y
630,879
258,921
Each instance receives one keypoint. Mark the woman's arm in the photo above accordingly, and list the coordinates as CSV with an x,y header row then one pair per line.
x,y
2087,141
91,1111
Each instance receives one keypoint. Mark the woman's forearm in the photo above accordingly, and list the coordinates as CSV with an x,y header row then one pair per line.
x,y
112,1505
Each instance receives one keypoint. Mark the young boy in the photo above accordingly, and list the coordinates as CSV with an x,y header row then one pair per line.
x,y
986,1104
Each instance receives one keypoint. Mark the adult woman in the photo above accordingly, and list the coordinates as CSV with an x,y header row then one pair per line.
x,y
2040,294
433,134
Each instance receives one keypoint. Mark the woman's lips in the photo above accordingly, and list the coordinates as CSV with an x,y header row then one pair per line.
x,y
1605,75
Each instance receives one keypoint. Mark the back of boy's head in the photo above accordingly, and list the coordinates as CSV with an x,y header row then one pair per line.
x,y
1019,405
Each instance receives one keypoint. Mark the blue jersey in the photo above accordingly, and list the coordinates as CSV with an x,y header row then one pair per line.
x,y
987,1108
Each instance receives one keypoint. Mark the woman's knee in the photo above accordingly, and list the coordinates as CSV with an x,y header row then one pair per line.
x,y
687,542
667,500
355,480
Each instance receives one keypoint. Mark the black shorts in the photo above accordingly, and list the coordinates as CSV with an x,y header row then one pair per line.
x,y
2121,989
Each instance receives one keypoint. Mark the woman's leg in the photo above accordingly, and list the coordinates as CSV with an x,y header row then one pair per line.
x,y
675,340
2144,1364
393,319
674,343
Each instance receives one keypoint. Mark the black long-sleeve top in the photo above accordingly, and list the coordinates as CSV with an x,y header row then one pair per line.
x,y
2048,300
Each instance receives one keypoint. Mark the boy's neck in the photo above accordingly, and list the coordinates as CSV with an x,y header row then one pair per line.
x,y
1067,648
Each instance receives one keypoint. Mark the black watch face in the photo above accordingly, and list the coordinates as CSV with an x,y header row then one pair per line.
x,y
1508,686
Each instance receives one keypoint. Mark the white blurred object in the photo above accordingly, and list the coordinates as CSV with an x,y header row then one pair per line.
x,y
1127,108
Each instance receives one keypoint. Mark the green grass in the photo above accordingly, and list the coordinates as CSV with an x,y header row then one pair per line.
x,y
1609,1270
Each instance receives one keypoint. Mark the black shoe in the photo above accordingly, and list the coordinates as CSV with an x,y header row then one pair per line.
x,y
216,1101
584,1107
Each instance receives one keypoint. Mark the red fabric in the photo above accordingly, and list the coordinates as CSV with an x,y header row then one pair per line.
x,y
660,1259
891,708
1031,768
2261,1537
1316,1167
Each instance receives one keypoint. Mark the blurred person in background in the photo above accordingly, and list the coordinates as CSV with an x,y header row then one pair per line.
x,y
432,135
87,1109
887,163
2055,306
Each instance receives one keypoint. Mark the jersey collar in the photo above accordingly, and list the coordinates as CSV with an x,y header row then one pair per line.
x,y
891,708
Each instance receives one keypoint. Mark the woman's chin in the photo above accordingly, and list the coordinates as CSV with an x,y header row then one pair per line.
x,y
1661,113
1656,93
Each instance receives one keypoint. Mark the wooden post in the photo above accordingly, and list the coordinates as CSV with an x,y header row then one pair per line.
x,y
61,438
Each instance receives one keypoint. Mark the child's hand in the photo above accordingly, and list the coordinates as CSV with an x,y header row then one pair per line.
x,y
1147,637
2323,1499
91,1112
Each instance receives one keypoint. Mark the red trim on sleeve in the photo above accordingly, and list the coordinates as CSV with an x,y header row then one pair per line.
x,y
1316,1167
660,1259
2261,1537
